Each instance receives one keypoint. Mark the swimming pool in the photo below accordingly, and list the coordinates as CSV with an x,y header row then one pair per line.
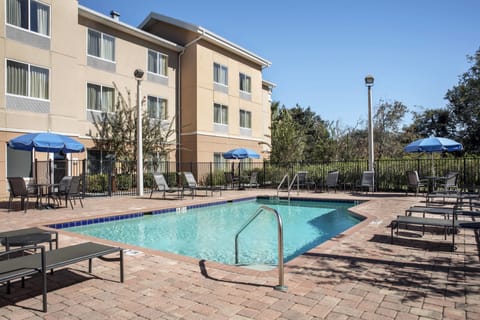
x,y
209,232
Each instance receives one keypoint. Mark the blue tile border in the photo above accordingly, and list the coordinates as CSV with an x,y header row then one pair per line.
x,y
195,206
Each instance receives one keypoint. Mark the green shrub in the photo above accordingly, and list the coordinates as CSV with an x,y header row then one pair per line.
x,y
97,183
124,182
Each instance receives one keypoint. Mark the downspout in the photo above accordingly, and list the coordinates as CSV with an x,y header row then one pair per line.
x,y
179,98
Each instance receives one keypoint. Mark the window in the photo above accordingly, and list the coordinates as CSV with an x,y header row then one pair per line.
x,y
30,15
245,119
220,114
157,63
219,163
220,74
157,108
27,80
100,98
245,83
101,45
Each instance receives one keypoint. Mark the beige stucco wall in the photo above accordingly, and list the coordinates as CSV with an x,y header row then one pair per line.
x,y
197,110
69,75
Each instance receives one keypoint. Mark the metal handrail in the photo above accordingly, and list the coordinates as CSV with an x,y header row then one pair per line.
x,y
280,286
287,177
295,178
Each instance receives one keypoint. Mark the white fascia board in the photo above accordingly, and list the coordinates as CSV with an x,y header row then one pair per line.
x,y
208,36
121,26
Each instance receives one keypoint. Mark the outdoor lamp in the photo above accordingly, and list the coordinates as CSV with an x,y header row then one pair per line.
x,y
138,74
369,80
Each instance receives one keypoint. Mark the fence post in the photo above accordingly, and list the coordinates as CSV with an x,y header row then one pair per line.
x,y
84,176
211,174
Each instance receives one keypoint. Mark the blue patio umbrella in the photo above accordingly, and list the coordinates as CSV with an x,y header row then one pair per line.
x,y
433,144
46,142
241,153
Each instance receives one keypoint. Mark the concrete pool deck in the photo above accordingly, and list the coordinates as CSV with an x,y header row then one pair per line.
x,y
357,275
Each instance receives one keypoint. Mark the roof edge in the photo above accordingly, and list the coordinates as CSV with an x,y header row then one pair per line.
x,y
207,35
99,17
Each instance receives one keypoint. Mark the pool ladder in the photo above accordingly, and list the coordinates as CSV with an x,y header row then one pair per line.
x,y
280,286
286,178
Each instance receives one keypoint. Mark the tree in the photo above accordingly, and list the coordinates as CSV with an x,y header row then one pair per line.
x,y
434,122
317,136
116,133
464,103
288,140
387,120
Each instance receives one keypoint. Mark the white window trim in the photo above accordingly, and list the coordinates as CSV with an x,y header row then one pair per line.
x,y
101,87
49,36
101,58
246,92
28,84
158,54
166,107
219,123
219,83
240,119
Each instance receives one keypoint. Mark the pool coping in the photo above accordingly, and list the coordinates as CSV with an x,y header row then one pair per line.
x,y
203,264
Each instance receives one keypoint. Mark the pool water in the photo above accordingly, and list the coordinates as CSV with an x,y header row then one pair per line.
x,y
209,232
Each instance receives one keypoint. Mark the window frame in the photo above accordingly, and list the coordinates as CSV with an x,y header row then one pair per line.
x,y
221,68
102,36
29,83
158,56
245,113
220,163
165,111
29,18
244,82
223,114
101,98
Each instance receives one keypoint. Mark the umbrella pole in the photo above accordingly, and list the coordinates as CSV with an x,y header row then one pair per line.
x,y
433,165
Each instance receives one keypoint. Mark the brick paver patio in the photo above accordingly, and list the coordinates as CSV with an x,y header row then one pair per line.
x,y
357,275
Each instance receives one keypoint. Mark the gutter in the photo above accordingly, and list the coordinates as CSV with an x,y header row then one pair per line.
x,y
178,108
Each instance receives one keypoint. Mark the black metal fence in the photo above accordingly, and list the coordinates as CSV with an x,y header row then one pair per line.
x,y
111,177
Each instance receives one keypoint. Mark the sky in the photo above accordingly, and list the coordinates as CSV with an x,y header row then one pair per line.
x,y
321,50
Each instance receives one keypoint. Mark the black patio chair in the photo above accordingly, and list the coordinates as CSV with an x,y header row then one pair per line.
x,y
332,180
62,190
74,192
18,189
415,183
367,181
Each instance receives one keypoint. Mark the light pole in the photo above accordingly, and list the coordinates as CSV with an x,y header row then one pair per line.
x,y
371,158
138,73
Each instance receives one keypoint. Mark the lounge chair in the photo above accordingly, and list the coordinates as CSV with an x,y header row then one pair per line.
x,y
26,265
332,180
454,197
447,224
162,186
414,182
194,186
252,180
28,236
18,189
367,181
443,211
